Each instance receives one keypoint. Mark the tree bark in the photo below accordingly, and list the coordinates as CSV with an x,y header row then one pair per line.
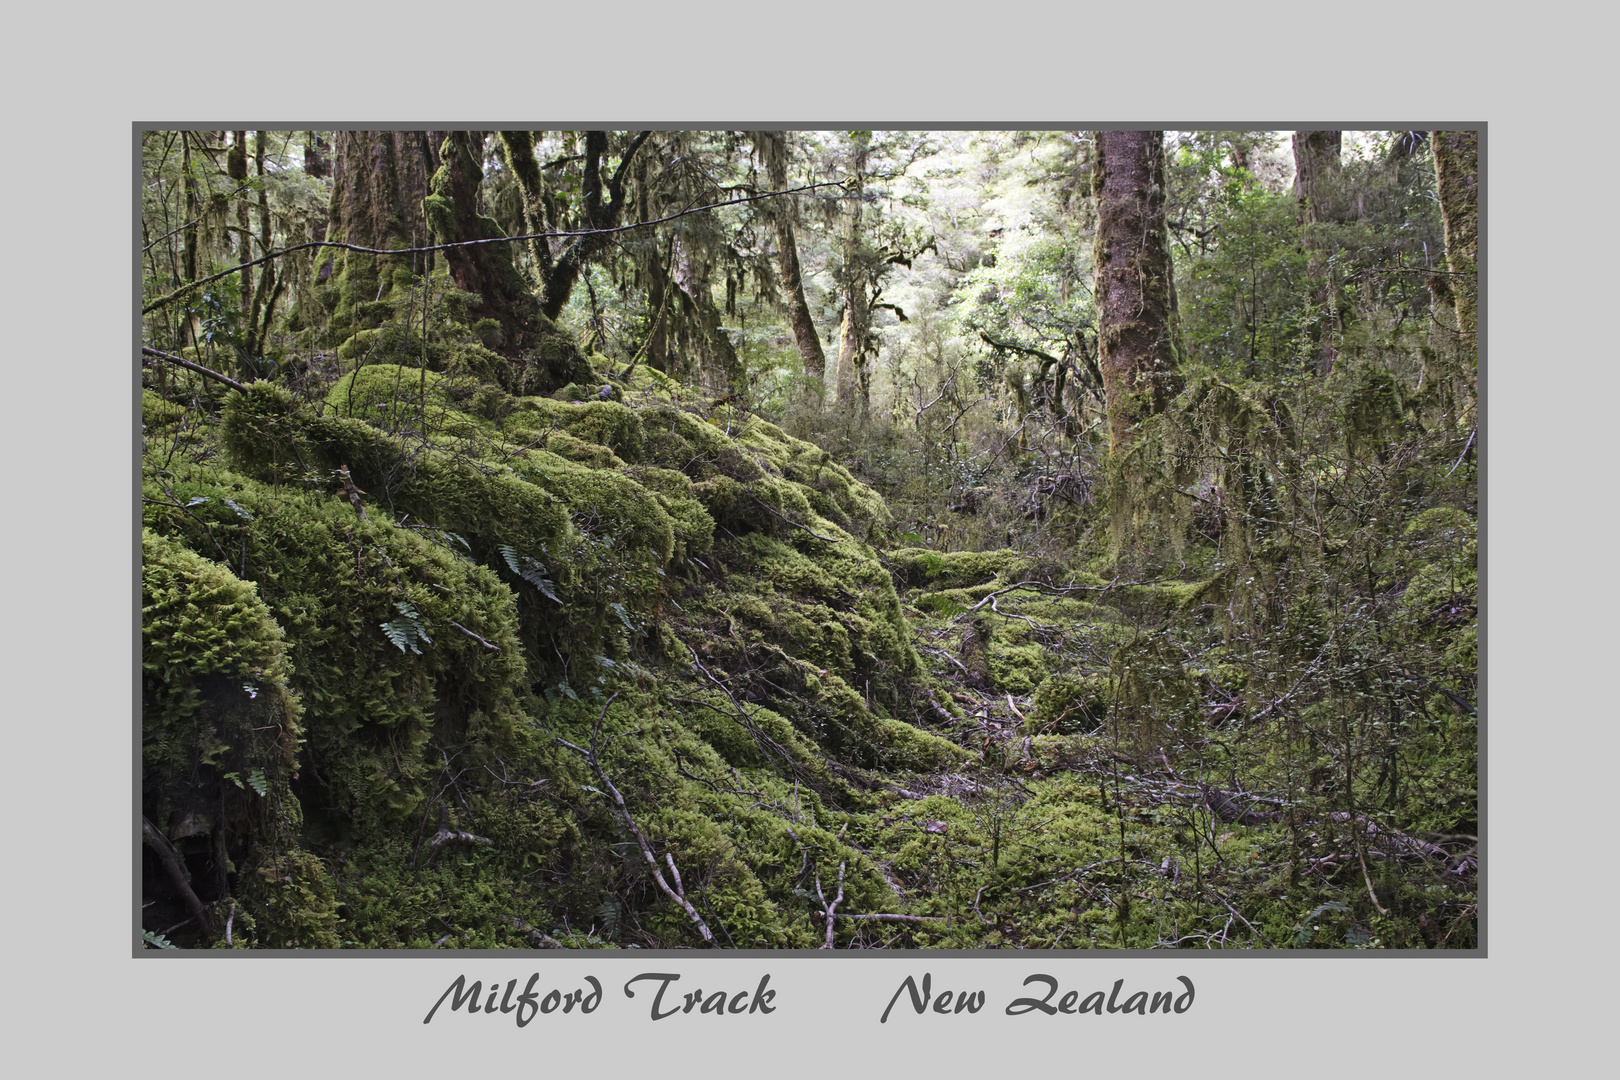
x,y
236,168
378,181
263,297
1316,167
774,147
1137,329
1456,167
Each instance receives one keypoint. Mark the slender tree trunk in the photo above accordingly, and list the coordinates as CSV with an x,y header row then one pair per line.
x,y
189,266
269,280
774,145
1316,168
236,168
857,312
1456,167
1137,330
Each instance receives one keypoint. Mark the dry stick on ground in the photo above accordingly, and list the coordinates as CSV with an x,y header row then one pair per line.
x,y
1241,919
679,896
828,911
177,874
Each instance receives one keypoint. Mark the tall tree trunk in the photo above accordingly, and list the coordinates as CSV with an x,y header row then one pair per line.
x,y
485,269
1137,331
775,152
1456,167
701,328
519,146
378,181
270,282
1316,168
236,168
852,334
193,208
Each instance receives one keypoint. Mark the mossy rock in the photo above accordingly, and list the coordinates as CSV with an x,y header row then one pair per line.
x,y
1069,703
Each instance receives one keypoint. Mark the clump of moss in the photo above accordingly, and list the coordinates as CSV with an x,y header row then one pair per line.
x,y
1067,703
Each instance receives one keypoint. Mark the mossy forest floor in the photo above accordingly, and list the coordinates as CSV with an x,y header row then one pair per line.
x,y
427,664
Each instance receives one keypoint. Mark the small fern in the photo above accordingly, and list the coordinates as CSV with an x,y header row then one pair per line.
x,y
156,941
406,630
530,570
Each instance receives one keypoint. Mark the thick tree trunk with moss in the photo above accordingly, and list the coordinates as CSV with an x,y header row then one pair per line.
x,y
774,149
378,181
1456,167
1135,285
1316,169
507,314
485,269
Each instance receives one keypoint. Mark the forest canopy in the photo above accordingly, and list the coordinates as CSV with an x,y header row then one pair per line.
x,y
809,539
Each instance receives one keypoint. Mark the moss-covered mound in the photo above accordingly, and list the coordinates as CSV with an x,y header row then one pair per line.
x,y
468,609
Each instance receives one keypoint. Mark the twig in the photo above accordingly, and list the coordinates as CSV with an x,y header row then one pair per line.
x,y
1367,878
828,911
641,838
1241,919
976,910
1464,454
474,636
790,521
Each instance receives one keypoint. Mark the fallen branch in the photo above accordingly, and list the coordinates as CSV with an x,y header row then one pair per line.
x,y
641,838
198,368
767,506
447,835
177,874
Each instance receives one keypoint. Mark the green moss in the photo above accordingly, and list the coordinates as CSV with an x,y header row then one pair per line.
x,y
1067,703
939,570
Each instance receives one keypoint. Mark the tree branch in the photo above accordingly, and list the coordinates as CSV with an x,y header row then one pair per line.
x,y
177,874
198,368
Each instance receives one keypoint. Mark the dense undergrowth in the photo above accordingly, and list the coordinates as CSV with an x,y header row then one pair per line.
x,y
430,662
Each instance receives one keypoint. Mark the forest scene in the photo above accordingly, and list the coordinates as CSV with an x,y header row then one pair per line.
x,y
698,539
